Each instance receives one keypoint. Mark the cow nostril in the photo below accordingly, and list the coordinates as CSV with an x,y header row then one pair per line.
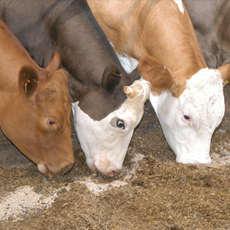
x,y
67,168
114,173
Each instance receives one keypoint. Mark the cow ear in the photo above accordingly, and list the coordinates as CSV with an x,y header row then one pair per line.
x,y
155,72
55,62
111,78
225,72
28,80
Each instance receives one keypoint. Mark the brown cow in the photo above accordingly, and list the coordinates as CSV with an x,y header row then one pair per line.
x,y
187,95
35,106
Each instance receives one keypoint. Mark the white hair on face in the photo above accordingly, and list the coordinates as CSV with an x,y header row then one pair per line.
x,y
203,102
180,5
101,140
206,89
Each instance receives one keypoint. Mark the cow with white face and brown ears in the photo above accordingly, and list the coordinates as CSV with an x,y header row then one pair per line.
x,y
104,114
118,127
186,95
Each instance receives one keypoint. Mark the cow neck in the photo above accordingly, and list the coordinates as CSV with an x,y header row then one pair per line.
x,y
173,41
15,56
89,44
120,23
149,27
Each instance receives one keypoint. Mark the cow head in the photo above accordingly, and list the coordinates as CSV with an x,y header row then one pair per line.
x,y
105,118
37,118
188,110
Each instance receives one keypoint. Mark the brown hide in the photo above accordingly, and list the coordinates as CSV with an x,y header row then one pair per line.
x,y
35,106
225,72
156,28
157,74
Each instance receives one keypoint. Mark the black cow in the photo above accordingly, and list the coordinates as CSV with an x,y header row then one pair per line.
x,y
211,20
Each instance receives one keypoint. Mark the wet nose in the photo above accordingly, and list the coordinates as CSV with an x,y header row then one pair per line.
x,y
109,171
196,161
114,173
106,167
60,169
202,164
66,168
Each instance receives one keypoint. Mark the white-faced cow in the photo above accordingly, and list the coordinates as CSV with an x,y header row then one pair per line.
x,y
211,21
35,106
105,115
187,95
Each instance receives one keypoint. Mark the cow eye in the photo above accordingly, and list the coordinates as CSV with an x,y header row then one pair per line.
x,y
120,124
50,122
186,117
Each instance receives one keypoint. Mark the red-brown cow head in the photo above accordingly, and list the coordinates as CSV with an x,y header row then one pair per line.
x,y
36,118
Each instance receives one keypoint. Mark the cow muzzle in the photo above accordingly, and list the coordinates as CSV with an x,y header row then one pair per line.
x,y
195,161
62,169
106,167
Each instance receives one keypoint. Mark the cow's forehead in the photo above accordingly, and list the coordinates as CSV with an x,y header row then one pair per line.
x,y
204,77
203,86
203,97
54,91
125,112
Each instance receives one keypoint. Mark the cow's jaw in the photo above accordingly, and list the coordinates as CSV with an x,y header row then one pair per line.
x,y
203,102
103,142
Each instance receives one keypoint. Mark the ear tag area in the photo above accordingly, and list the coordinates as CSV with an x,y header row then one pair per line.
x,y
225,83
